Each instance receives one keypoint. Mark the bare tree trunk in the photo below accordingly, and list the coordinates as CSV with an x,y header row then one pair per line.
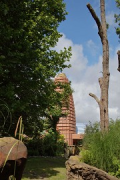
x,y
103,81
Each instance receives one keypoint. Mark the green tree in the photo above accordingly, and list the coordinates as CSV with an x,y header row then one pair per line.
x,y
117,19
28,61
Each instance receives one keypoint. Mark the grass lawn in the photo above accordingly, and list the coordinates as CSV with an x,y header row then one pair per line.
x,y
45,168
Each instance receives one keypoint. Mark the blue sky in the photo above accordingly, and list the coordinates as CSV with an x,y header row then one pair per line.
x,y
80,32
80,27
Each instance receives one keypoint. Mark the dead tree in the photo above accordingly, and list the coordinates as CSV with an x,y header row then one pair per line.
x,y
104,80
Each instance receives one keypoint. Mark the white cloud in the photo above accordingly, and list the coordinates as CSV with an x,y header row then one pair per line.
x,y
93,48
114,90
84,80
110,19
63,42
114,113
80,128
78,60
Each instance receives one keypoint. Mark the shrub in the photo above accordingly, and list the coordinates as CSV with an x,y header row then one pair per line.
x,y
34,147
102,149
52,144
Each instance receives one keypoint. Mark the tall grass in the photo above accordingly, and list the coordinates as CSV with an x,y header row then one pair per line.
x,y
102,150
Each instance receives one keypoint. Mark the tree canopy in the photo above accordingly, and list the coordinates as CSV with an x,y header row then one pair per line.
x,y
28,61
117,19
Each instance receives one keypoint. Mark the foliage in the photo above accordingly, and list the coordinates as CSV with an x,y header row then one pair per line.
x,y
54,144
54,113
12,177
117,19
49,144
92,128
101,149
28,60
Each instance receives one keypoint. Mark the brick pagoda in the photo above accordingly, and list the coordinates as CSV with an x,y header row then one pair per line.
x,y
67,124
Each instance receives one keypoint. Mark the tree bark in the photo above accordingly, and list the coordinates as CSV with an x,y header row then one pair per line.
x,y
104,80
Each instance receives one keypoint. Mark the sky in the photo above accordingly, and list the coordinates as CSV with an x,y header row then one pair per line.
x,y
80,31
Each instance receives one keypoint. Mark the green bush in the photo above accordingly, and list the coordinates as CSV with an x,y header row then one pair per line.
x,y
102,149
34,146
52,144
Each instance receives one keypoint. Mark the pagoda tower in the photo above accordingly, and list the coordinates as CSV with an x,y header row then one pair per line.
x,y
67,124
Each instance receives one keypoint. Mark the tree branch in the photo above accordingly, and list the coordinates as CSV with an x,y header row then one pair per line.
x,y
95,97
95,17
